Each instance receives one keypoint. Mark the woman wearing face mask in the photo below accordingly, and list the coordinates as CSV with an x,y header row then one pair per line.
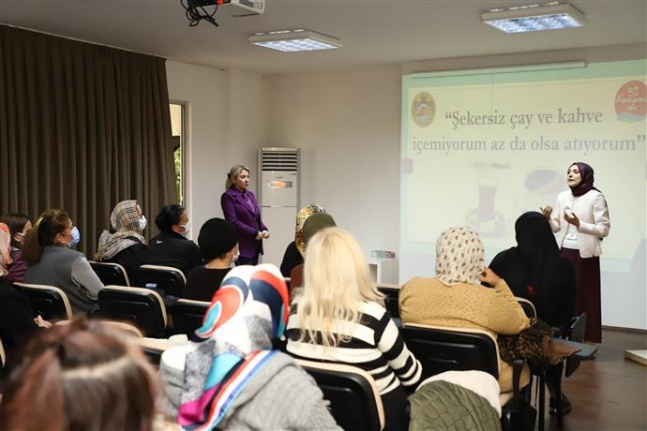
x,y
124,243
219,247
17,323
580,220
171,247
19,224
52,262
241,209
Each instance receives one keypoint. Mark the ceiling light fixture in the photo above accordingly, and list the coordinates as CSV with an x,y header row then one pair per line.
x,y
534,17
294,40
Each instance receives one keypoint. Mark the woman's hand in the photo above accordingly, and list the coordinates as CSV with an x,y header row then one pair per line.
x,y
571,218
38,320
546,211
266,234
489,277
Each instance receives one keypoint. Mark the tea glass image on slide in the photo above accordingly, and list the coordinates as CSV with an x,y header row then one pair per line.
x,y
484,218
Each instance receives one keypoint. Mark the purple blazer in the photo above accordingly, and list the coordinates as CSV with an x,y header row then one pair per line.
x,y
247,221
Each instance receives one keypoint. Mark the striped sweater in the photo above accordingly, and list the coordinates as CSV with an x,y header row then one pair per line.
x,y
375,346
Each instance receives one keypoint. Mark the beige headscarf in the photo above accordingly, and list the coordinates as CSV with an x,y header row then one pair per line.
x,y
124,221
459,256
302,215
5,249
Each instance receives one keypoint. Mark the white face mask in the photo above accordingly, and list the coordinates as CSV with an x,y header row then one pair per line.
x,y
142,222
235,258
187,228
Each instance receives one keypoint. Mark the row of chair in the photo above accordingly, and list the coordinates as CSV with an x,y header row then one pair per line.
x,y
166,279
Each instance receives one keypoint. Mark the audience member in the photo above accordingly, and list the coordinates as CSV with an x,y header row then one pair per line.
x,y
232,379
339,316
241,209
313,224
52,262
455,298
19,225
17,322
293,255
171,247
219,247
81,377
535,270
124,243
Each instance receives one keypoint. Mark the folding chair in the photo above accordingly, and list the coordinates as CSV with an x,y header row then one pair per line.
x,y
162,278
141,307
110,273
354,398
391,293
50,302
187,315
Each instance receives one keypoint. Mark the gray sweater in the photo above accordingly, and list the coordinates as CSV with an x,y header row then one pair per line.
x,y
280,396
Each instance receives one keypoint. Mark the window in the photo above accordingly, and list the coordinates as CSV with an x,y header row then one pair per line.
x,y
178,136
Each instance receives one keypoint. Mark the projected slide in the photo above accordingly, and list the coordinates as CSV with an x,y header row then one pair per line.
x,y
481,148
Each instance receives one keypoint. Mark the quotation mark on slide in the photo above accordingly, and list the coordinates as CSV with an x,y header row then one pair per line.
x,y
641,139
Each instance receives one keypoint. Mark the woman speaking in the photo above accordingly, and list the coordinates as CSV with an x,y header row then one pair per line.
x,y
241,209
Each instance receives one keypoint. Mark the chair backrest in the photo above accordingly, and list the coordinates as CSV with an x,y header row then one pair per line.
x,y
355,401
442,349
187,315
528,307
166,278
110,273
141,307
392,293
50,302
3,356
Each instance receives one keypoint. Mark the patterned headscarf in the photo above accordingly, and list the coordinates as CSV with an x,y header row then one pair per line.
x,y
586,183
248,311
302,215
5,248
124,221
459,256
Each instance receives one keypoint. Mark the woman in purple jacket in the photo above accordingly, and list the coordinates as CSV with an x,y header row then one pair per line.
x,y
241,209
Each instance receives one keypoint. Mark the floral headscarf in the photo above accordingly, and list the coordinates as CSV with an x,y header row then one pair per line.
x,y
248,311
459,256
5,248
302,215
124,221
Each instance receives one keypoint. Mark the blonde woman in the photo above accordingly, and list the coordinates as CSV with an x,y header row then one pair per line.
x,y
339,316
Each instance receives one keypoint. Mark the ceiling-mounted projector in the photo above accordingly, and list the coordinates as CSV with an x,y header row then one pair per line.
x,y
197,10
255,6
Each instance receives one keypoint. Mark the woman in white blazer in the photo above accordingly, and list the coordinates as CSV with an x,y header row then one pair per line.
x,y
580,220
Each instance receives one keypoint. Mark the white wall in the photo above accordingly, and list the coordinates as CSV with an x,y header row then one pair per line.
x,y
348,126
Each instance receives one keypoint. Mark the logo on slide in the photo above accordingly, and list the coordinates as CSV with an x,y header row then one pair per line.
x,y
423,109
631,102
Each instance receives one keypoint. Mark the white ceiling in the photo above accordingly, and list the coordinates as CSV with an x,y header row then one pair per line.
x,y
375,33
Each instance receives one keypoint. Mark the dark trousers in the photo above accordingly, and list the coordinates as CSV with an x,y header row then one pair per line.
x,y
247,260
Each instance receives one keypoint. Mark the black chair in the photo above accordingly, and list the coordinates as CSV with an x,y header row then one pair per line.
x,y
441,349
110,273
50,302
162,278
187,315
391,293
143,308
355,401
528,307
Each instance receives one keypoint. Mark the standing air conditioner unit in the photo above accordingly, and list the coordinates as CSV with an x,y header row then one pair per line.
x,y
278,191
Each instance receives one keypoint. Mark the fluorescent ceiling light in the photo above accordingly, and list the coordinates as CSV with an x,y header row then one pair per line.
x,y
295,40
534,17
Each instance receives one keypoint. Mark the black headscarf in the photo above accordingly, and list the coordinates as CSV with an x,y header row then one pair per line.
x,y
535,270
586,183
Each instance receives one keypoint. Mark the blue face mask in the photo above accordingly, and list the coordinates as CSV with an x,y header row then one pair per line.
x,y
76,237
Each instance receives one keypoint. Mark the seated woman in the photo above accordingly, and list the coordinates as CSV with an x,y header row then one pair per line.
x,y
171,247
19,225
51,261
293,255
80,376
455,298
535,270
124,243
338,316
232,379
219,247
17,322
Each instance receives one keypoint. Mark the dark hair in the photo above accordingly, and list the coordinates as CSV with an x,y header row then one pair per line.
x,y
168,217
16,223
217,237
81,376
49,224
